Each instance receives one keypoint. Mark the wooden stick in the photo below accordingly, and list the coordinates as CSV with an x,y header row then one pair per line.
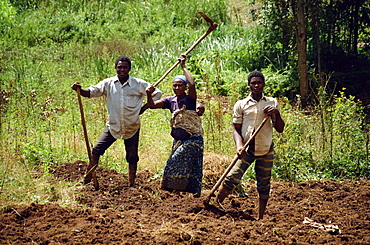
x,y
212,27
215,187
84,123
92,170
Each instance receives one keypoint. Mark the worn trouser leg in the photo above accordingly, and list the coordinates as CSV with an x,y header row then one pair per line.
x,y
104,142
263,168
233,178
132,156
236,173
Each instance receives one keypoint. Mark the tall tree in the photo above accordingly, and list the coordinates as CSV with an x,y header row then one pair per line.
x,y
353,26
302,49
315,13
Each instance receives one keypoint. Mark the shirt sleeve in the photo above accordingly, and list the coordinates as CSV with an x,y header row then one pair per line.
x,y
157,94
99,89
166,103
238,113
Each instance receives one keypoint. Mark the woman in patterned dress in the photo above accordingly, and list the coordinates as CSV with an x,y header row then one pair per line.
x,y
184,168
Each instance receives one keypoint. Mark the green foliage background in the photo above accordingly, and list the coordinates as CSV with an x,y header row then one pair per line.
x,y
49,45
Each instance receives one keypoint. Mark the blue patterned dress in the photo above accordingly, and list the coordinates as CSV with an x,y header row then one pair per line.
x,y
184,167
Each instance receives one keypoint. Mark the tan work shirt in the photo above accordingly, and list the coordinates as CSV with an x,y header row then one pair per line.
x,y
124,102
249,113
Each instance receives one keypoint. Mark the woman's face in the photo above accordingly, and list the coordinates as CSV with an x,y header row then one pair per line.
x,y
178,87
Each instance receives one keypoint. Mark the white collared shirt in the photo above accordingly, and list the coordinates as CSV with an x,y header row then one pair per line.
x,y
249,113
123,103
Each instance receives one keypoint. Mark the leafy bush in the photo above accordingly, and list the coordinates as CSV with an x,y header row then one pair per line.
x,y
328,143
7,16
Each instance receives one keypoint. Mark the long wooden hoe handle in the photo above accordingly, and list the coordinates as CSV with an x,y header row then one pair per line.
x,y
212,27
215,187
92,170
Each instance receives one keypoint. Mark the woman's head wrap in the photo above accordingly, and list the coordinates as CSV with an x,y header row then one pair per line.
x,y
182,77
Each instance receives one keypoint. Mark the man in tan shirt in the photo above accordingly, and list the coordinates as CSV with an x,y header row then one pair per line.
x,y
124,100
248,114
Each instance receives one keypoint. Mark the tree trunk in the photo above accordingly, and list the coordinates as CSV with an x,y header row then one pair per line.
x,y
355,26
315,9
302,49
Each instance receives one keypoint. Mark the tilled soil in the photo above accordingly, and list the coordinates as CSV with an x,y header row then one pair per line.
x,y
145,214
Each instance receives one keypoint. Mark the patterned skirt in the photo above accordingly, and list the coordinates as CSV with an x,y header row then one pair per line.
x,y
184,168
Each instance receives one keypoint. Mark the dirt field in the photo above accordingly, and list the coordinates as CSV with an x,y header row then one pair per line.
x,y
118,214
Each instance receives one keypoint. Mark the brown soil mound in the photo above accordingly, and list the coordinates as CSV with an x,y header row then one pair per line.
x,y
145,214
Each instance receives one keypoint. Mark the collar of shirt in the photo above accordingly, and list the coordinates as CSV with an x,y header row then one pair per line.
x,y
128,82
186,100
249,98
175,98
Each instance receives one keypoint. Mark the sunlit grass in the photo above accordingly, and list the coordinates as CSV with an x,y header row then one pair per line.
x,y
22,184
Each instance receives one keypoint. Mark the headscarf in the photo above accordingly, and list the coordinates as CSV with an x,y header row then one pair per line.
x,y
182,77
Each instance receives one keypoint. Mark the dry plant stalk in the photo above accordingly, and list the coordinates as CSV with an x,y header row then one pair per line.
x,y
214,166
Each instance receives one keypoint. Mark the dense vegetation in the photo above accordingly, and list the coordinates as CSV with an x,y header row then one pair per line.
x,y
48,45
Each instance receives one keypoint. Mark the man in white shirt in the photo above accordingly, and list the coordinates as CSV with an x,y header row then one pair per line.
x,y
248,115
124,98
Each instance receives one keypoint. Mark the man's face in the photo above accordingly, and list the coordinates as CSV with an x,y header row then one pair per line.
x,y
178,86
122,69
256,85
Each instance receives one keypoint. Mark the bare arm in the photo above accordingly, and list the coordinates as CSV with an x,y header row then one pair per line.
x,y
192,92
143,109
150,102
238,139
84,92
279,122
